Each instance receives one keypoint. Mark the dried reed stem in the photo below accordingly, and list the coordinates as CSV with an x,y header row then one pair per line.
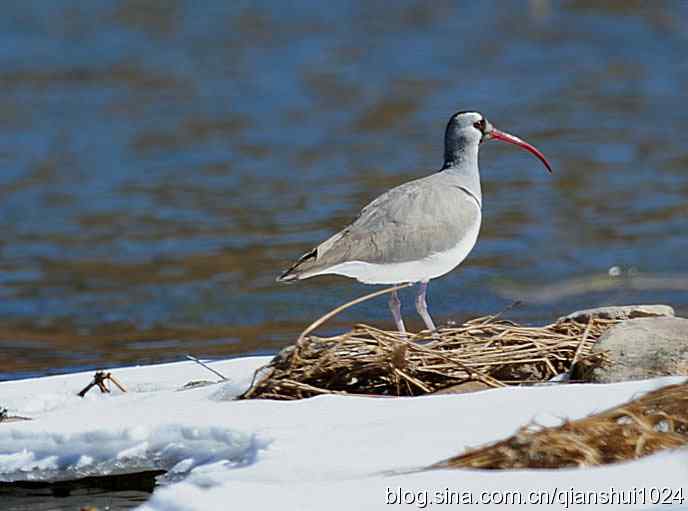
x,y
368,360
658,420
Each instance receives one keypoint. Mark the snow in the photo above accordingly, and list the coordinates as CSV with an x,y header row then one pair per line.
x,y
329,452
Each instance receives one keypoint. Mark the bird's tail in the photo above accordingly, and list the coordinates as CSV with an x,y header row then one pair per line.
x,y
300,269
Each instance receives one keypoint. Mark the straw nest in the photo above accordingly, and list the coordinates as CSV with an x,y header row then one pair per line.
x,y
658,420
488,350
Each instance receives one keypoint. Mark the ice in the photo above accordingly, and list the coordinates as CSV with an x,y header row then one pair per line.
x,y
328,452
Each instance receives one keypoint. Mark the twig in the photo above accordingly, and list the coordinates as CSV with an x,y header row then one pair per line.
x,y
345,306
580,346
416,382
494,317
111,377
202,364
99,379
305,386
252,387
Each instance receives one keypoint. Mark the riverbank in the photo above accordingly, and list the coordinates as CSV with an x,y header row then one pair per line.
x,y
326,452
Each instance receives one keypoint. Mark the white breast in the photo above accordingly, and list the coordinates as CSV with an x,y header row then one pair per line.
x,y
430,267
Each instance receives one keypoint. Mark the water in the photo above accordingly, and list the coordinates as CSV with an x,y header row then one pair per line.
x,y
161,163
107,493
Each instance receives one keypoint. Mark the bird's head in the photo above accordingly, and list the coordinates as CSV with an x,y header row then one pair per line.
x,y
472,128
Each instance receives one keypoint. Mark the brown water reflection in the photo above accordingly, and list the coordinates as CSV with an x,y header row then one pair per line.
x,y
160,164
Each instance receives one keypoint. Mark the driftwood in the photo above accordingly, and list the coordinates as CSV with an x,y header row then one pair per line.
x,y
6,417
206,366
658,420
99,379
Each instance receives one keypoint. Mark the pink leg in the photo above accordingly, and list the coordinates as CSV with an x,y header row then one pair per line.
x,y
422,306
395,307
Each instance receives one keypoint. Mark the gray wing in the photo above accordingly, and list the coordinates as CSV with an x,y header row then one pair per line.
x,y
407,223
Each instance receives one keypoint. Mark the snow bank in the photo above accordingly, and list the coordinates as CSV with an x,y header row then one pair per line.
x,y
330,452
153,426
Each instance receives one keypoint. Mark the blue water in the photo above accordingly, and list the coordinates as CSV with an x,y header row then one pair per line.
x,y
162,162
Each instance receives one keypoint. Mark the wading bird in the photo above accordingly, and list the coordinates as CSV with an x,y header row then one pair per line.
x,y
419,230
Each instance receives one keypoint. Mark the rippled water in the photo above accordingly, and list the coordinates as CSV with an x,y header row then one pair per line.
x,y
161,162
108,493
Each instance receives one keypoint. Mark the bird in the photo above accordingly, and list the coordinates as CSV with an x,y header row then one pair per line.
x,y
419,230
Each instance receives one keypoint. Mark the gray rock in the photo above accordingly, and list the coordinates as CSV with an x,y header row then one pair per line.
x,y
621,312
643,348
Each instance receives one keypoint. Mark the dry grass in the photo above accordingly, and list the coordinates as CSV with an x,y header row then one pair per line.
x,y
368,360
658,420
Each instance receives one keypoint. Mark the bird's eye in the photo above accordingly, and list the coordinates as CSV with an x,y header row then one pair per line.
x,y
480,125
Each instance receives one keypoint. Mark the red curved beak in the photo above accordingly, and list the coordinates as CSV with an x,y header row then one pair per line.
x,y
500,135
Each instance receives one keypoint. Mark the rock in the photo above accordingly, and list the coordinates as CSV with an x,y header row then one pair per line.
x,y
643,348
621,312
